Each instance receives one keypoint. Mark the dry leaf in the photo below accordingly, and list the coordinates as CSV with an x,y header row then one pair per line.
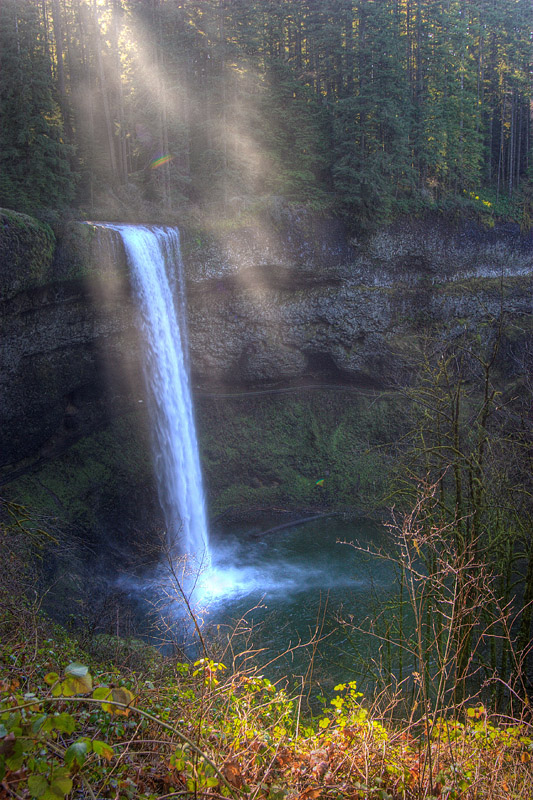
x,y
310,794
317,756
233,774
320,769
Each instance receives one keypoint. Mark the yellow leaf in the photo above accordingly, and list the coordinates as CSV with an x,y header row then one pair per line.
x,y
103,749
117,695
122,695
73,685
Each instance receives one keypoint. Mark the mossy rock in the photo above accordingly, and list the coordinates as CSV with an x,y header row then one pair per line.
x,y
299,451
85,250
74,255
26,253
102,485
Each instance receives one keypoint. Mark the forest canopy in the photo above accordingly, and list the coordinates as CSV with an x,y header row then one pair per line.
x,y
369,108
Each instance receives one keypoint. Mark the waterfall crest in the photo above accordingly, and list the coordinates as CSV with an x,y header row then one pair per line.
x,y
154,257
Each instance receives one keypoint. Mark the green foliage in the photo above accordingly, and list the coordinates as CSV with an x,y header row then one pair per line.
x,y
296,144
201,728
34,158
112,459
375,108
77,680
26,251
306,437
34,751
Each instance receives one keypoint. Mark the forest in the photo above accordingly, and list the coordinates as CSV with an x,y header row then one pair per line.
x,y
370,109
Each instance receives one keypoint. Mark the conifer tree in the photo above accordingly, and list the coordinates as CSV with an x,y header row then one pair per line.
x,y
34,158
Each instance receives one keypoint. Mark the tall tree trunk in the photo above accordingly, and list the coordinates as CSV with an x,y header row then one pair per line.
x,y
105,98
501,165
350,55
46,28
60,70
222,48
512,134
122,151
158,57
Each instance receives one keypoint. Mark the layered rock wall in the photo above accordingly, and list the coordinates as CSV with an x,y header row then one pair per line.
x,y
286,301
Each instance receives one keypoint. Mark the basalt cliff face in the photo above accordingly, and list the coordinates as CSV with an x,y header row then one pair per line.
x,y
284,302
310,306
61,314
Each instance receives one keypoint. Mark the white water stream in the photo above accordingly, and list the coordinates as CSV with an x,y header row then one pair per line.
x,y
154,257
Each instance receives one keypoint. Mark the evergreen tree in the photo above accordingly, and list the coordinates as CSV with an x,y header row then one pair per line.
x,y
34,158
294,137
387,106
451,112
372,170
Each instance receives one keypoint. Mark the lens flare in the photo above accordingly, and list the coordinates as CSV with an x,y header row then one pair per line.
x,y
160,160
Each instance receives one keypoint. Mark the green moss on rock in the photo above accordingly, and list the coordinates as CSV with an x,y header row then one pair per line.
x,y
26,253
75,254
296,451
91,484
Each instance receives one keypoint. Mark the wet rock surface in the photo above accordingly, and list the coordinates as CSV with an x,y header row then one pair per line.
x,y
285,303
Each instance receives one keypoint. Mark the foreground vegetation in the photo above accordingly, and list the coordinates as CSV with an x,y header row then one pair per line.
x,y
107,717
177,729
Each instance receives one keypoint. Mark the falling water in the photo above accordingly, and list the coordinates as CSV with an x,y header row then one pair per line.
x,y
154,256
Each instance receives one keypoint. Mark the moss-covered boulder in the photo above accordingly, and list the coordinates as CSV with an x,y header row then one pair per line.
x,y
26,253
89,252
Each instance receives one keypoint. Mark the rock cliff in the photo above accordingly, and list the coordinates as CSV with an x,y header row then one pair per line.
x,y
286,301
298,302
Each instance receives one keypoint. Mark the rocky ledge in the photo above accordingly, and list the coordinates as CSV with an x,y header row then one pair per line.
x,y
286,300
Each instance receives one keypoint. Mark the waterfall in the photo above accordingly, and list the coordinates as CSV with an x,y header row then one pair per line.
x,y
154,257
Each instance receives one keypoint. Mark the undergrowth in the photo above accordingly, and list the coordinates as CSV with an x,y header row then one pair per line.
x,y
78,726
193,731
